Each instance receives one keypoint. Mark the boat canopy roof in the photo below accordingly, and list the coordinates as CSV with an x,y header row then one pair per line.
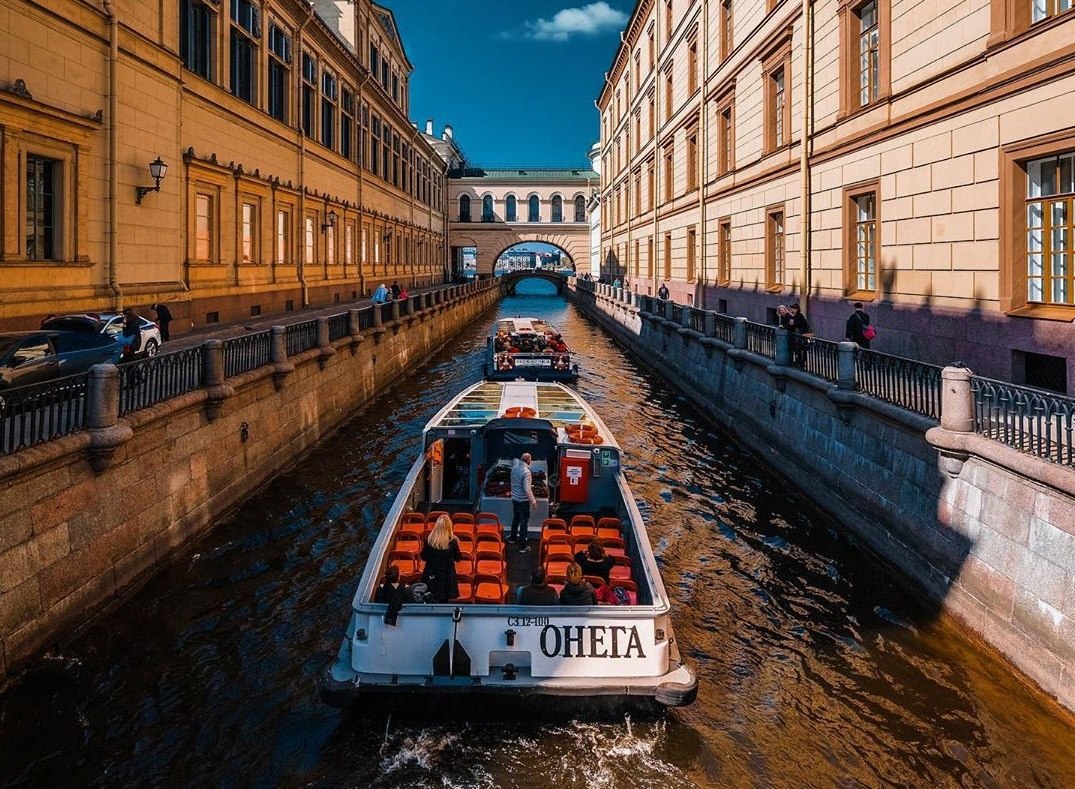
x,y
524,326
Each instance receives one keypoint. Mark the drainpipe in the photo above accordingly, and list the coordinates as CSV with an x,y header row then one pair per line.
x,y
302,162
804,154
113,173
361,175
699,299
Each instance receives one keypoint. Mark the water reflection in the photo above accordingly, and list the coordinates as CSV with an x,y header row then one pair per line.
x,y
815,667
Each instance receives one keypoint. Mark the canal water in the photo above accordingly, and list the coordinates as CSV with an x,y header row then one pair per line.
x,y
816,666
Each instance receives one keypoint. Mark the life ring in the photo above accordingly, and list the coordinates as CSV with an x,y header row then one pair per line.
x,y
520,411
587,440
582,430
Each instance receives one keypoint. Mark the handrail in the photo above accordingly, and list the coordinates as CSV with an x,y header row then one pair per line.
x,y
37,413
150,381
1031,420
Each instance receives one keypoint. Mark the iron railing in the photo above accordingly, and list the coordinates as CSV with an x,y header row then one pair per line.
x,y
150,381
365,318
910,384
822,358
1031,420
761,339
40,412
386,312
698,319
301,337
338,327
724,328
246,353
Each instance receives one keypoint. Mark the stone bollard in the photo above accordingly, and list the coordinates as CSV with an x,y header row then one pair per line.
x,y
354,329
213,378
740,335
102,417
710,324
377,315
957,400
685,316
845,366
281,366
395,310
324,344
783,348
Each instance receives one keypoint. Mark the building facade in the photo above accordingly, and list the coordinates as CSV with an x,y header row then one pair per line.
x,y
495,209
294,176
935,185
594,207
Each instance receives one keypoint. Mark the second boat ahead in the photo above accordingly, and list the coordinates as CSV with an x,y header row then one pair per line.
x,y
528,349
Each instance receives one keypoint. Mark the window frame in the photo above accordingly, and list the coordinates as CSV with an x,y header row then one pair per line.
x,y
776,242
778,60
278,76
248,39
727,29
464,207
212,221
282,232
851,196
511,208
725,110
691,256
533,210
849,14
724,250
57,209
692,157
249,253
208,37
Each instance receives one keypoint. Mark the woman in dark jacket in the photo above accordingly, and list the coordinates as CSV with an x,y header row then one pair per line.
x,y
577,591
440,553
594,561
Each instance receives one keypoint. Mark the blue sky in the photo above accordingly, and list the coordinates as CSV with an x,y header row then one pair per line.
x,y
516,80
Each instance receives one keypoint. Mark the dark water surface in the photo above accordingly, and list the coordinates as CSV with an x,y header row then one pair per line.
x,y
816,667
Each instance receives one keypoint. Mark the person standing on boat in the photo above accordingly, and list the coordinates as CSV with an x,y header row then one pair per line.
x,y
522,501
393,592
440,553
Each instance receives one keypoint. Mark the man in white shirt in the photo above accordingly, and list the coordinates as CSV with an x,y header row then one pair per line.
x,y
522,501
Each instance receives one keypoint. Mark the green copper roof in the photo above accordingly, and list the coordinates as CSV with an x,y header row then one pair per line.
x,y
529,174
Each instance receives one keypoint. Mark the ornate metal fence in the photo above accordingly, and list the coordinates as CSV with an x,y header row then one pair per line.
x,y
301,337
913,385
246,353
386,312
822,358
338,327
761,339
365,318
32,414
724,328
1030,420
150,381
698,319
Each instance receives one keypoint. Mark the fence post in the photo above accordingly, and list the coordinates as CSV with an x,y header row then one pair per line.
x,y
377,315
213,377
395,310
685,316
281,366
710,324
845,366
324,345
783,348
740,335
957,400
102,416
354,329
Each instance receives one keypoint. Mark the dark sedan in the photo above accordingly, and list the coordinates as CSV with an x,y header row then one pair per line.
x,y
32,356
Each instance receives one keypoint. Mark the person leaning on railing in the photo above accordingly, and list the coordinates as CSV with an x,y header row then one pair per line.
x,y
796,325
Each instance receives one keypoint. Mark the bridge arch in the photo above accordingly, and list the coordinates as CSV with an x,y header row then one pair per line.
x,y
511,280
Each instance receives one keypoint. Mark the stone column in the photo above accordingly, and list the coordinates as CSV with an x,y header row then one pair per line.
x,y
324,345
845,366
354,329
213,377
741,333
783,348
377,315
102,416
281,366
395,310
957,400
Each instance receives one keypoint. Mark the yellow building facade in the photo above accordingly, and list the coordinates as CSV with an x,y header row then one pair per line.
x,y
934,184
294,176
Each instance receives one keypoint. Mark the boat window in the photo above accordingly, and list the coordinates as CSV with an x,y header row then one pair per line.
x,y
519,438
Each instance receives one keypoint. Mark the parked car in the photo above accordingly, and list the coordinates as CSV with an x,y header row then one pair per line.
x,y
29,357
110,324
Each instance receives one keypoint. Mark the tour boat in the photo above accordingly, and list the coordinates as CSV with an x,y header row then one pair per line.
x,y
483,642
528,349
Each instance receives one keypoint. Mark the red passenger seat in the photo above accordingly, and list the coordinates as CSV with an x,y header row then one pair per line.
x,y
489,589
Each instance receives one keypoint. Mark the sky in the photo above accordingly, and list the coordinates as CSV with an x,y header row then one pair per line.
x,y
516,80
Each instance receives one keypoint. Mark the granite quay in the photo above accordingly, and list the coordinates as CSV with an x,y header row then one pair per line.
x,y
964,484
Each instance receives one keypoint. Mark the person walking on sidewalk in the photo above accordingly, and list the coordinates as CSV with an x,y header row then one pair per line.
x,y
164,319
662,292
522,501
859,330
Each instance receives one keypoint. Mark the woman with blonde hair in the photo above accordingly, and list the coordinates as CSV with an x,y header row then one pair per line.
x,y
440,553
577,590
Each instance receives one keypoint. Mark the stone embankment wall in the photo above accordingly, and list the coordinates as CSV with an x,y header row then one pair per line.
x,y
72,539
987,532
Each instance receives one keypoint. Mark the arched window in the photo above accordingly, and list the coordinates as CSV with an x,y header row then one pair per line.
x,y
487,208
557,208
512,210
535,209
580,209
464,208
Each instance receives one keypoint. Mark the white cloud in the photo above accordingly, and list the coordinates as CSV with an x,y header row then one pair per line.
x,y
588,20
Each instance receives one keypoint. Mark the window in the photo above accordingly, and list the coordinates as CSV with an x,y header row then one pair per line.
x,y
649,256
197,20
347,124
667,21
203,228
464,208
638,131
375,60
283,236
651,48
692,159
386,152
638,68
364,136
375,146
861,240
487,209
724,251
636,261
638,192
249,223
557,208
669,171
1044,9
774,249
511,209
533,209
651,186
245,35
651,113
727,41
1049,230
308,241
395,159
395,87
309,86
279,72
42,207
692,66
668,92
384,73
725,139
328,109
330,243
667,256
864,54
580,209
692,254
777,109
868,53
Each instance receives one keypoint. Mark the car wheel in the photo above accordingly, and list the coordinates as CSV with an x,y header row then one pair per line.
x,y
151,348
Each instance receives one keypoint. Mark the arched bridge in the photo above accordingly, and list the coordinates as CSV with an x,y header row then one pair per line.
x,y
510,280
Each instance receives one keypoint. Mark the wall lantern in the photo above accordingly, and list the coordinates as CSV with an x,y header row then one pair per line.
x,y
330,221
157,169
